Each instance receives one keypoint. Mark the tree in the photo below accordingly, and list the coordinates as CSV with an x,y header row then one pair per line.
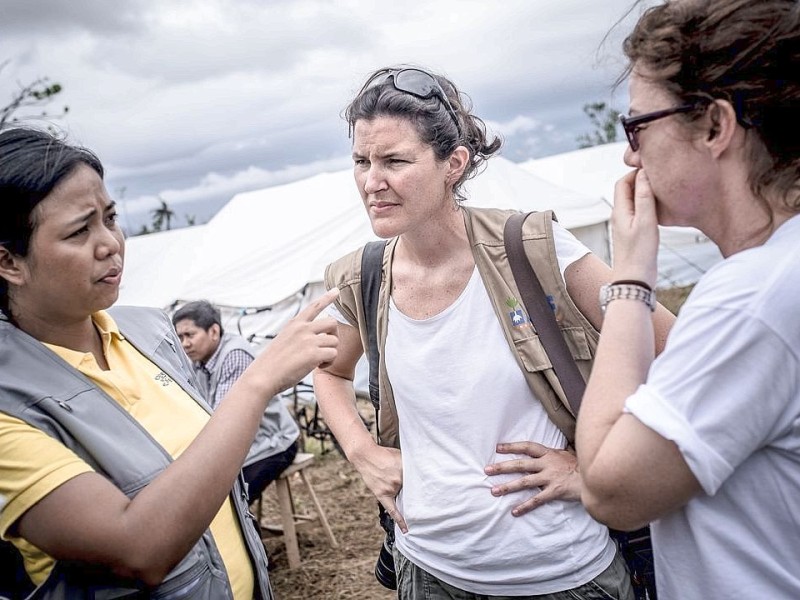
x,y
162,216
39,92
604,119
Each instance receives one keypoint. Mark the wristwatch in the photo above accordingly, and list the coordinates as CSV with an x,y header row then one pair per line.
x,y
627,291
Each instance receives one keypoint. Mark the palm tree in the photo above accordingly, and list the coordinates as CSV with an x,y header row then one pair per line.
x,y
162,216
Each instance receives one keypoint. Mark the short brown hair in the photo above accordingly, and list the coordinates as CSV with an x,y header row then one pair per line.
x,y
744,51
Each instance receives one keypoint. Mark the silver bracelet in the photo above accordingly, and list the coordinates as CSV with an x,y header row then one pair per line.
x,y
626,291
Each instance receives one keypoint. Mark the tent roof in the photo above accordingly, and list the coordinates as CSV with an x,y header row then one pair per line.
x,y
592,171
157,264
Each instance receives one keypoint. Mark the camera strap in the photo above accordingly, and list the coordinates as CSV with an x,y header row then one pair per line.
x,y
371,276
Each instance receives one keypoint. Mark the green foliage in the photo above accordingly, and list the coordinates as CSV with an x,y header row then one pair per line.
x,y
604,120
38,93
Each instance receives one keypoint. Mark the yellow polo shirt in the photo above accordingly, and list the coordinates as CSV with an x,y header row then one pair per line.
x,y
33,464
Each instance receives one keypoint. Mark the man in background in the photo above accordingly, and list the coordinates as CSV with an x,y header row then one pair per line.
x,y
219,359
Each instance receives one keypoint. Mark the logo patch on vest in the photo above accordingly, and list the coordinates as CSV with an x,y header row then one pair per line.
x,y
520,320
517,316
163,379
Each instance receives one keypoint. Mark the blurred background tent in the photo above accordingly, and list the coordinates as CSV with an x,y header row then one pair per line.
x,y
263,256
684,252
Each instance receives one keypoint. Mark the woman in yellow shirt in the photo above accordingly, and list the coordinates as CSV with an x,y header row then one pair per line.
x,y
82,517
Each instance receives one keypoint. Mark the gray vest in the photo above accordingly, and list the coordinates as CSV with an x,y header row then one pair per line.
x,y
41,389
278,430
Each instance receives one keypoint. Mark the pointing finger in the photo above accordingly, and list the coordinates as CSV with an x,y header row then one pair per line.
x,y
310,312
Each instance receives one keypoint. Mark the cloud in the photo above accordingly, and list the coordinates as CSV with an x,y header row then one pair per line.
x,y
172,95
215,189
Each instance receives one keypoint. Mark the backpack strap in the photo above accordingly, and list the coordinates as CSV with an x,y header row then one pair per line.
x,y
533,297
371,275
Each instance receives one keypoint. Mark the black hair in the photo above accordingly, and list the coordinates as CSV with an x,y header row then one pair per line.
x,y
32,164
202,312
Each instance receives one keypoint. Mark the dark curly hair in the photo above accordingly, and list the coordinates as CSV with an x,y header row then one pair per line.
x,y
431,118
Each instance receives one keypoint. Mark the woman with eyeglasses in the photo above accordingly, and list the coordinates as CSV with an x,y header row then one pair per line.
x,y
115,479
473,463
705,440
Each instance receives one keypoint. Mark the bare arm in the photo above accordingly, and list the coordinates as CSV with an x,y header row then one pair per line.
x,y
91,520
584,278
381,468
631,475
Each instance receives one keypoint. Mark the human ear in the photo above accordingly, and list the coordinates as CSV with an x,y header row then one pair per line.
x,y
10,267
214,331
721,125
458,161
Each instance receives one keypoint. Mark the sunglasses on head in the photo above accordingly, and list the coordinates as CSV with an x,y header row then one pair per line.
x,y
416,82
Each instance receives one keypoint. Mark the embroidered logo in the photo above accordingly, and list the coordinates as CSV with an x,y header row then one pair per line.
x,y
164,379
517,316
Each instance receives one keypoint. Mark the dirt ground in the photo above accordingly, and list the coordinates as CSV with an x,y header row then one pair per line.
x,y
344,573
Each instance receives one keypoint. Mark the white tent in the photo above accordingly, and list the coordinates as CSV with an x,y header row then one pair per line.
x,y
156,265
684,253
268,247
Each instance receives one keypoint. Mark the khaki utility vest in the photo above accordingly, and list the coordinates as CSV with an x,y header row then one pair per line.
x,y
485,234
41,389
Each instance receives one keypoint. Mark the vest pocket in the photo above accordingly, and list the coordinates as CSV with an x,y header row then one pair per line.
x,y
198,583
533,355
542,378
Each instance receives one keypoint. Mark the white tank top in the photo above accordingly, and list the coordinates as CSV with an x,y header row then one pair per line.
x,y
459,391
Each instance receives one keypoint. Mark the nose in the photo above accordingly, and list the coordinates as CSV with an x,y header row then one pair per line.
x,y
185,343
374,180
631,158
109,243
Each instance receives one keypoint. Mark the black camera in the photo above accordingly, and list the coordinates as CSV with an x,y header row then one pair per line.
x,y
384,568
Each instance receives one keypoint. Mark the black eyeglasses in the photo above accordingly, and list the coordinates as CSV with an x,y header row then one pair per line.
x,y
631,124
416,82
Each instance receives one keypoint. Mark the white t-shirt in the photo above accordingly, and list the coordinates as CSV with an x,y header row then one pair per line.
x,y
459,391
726,390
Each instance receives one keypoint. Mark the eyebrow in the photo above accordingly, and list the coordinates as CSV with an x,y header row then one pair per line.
x,y
89,214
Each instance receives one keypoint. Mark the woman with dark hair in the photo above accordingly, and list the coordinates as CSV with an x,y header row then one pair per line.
x,y
705,439
463,384
115,479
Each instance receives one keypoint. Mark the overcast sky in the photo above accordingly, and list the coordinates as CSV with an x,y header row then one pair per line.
x,y
196,100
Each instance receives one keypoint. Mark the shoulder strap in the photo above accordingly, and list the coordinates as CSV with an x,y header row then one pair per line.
x,y
533,297
371,275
